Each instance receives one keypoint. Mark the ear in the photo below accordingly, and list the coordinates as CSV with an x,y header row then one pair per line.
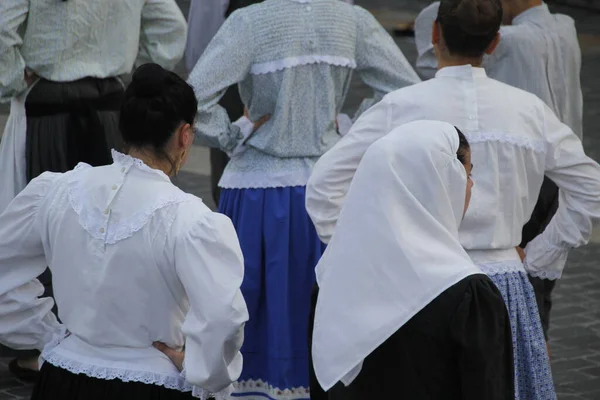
x,y
492,47
185,135
435,33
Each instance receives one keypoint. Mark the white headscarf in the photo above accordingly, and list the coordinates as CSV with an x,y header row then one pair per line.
x,y
395,248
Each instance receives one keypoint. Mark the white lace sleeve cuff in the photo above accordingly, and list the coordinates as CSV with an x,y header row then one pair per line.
x,y
203,394
246,129
544,260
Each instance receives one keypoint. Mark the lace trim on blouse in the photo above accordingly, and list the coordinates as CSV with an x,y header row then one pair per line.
x,y
262,180
291,62
537,146
93,220
502,267
151,378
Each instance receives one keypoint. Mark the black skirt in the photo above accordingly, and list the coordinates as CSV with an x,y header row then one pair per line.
x,y
72,122
459,347
59,384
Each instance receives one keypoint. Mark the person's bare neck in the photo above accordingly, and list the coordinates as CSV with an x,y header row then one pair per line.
x,y
521,6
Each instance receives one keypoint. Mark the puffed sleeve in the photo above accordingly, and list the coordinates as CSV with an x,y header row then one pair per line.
x,y
332,175
578,178
209,263
379,61
13,14
427,63
481,328
163,34
26,321
225,62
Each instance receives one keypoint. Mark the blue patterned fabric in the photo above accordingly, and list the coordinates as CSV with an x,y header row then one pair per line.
x,y
281,250
533,377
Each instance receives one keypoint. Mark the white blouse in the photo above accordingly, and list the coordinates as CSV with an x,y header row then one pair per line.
x,y
515,139
134,260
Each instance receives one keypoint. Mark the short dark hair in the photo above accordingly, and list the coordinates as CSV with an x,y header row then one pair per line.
x,y
463,147
156,103
469,26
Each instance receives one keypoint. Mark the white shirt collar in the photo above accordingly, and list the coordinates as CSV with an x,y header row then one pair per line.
x,y
531,13
462,71
127,161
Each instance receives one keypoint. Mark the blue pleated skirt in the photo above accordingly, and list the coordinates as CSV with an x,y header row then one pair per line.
x,y
281,249
533,376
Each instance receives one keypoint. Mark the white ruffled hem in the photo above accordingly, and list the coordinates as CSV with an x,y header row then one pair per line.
x,y
127,375
501,267
536,146
262,180
263,388
550,275
291,62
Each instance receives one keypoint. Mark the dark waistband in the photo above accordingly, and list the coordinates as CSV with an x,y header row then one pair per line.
x,y
50,98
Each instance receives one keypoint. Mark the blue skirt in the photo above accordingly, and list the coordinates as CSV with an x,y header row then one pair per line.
x,y
533,376
281,249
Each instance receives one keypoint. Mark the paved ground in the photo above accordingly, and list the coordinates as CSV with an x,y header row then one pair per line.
x,y
575,335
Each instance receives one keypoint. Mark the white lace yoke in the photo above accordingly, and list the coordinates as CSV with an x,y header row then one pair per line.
x,y
95,205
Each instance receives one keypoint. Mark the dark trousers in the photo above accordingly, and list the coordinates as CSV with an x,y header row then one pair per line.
x,y
232,103
543,212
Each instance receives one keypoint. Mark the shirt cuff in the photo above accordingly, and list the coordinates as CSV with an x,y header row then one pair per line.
x,y
246,129
200,393
545,260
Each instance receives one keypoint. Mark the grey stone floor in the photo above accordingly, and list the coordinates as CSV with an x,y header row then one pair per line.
x,y
575,334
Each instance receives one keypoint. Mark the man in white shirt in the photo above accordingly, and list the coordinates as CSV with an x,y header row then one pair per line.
x,y
516,139
538,52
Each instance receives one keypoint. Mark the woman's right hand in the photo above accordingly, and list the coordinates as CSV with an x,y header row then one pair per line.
x,y
175,356
260,122
30,77
521,253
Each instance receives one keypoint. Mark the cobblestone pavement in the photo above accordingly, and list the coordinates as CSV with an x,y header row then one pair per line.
x,y
575,333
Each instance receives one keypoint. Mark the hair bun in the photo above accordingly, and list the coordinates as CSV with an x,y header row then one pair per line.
x,y
149,80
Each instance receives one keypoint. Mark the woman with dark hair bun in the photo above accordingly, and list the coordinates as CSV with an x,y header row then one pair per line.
x,y
139,267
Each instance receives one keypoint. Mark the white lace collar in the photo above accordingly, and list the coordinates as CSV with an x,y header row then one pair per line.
x,y
94,215
127,161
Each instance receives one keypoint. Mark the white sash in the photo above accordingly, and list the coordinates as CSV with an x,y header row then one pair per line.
x,y
13,167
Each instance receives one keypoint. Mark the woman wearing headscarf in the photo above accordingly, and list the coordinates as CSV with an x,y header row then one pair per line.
x,y
402,311
136,262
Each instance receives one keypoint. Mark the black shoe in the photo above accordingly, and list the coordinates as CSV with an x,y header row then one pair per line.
x,y
24,374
